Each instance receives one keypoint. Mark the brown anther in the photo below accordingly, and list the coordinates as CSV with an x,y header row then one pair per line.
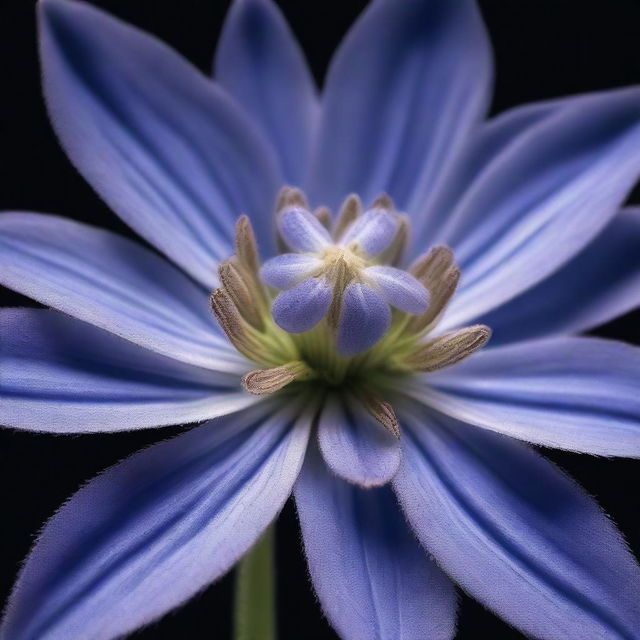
x,y
440,276
324,216
265,381
448,349
383,201
236,328
242,291
246,246
383,412
433,264
291,197
351,210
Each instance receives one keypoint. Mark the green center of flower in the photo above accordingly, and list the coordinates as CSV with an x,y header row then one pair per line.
x,y
243,305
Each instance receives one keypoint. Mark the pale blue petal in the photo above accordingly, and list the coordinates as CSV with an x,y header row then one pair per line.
x,y
113,283
364,318
400,288
372,577
579,394
355,445
373,232
599,284
482,146
152,531
61,375
259,63
543,199
405,88
301,308
302,231
287,269
165,148
516,533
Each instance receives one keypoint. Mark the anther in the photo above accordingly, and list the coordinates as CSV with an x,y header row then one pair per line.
x,y
246,246
383,412
349,212
383,201
433,264
324,216
290,197
237,329
242,291
266,381
448,349
439,274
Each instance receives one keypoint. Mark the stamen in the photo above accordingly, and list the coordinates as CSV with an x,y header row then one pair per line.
x,y
265,381
237,329
342,313
290,197
242,291
433,264
383,201
440,276
324,216
448,349
246,246
349,212
383,412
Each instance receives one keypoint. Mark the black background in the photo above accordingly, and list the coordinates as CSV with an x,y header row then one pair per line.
x,y
544,48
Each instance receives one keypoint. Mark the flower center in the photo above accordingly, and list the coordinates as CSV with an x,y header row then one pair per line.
x,y
333,309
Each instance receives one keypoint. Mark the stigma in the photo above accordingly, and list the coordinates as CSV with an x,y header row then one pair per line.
x,y
343,272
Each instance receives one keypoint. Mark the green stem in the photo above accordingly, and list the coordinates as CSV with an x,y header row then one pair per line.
x,y
254,608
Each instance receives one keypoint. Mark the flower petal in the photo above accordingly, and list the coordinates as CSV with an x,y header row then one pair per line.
x,y
355,445
152,531
516,533
364,318
113,283
400,288
579,394
259,62
287,269
482,146
407,85
302,231
166,149
62,375
542,200
601,283
373,232
301,308
372,577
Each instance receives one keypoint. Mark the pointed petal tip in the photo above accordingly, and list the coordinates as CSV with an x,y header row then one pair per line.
x,y
355,445
53,12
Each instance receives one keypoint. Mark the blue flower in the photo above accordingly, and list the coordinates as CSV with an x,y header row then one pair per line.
x,y
523,212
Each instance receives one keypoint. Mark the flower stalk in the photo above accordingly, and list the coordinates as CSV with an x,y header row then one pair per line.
x,y
254,614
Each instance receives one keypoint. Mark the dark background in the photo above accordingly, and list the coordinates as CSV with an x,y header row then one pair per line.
x,y
544,48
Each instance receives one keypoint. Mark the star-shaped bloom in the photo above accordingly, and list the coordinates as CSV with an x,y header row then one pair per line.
x,y
341,271
350,372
